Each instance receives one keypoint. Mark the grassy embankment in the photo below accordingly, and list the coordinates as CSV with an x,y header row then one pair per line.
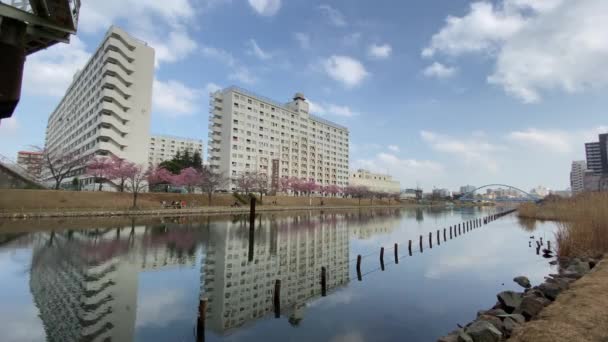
x,y
583,222
52,200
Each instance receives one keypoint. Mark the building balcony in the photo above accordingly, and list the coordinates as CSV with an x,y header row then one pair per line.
x,y
118,124
111,133
115,109
116,71
113,83
112,45
113,57
216,119
215,127
117,98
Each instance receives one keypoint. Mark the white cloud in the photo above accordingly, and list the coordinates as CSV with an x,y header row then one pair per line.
x,y
173,98
303,40
162,24
474,150
334,16
569,59
9,126
380,51
555,141
439,70
238,72
330,109
256,50
407,171
266,7
212,87
346,70
50,72
394,148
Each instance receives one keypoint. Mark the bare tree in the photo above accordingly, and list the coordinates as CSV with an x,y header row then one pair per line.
x,y
210,181
135,180
245,182
60,164
261,183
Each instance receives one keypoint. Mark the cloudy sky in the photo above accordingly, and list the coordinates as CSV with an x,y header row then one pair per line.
x,y
437,93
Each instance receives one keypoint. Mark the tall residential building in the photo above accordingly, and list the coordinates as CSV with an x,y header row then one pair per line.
x,y
106,109
165,147
375,181
30,161
577,175
467,189
250,133
597,154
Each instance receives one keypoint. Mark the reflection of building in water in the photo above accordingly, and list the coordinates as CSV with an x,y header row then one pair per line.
x,y
292,249
85,283
371,223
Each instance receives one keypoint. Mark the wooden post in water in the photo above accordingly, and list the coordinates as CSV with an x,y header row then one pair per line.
x,y
359,267
445,234
251,229
277,298
430,240
382,258
323,281
541,240
409,247
450,232
549,245
438,239
396,253
200,322
420,243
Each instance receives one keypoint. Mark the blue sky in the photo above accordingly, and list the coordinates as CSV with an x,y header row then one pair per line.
x,y
437,93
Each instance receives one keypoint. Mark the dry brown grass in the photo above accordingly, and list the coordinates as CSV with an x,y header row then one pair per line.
x,y
583,222
16,200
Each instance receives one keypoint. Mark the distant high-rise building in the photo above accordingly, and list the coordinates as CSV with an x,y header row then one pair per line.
x,y
250,133
106,109
467,188
577,175
30,161
597,154
165,147
540,191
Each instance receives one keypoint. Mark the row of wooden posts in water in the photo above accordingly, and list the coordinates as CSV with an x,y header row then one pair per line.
x,y
455,230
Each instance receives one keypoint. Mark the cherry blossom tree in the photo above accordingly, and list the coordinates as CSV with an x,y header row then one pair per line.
x,y
120,169
308,187
245,182
332,189
60,163
356,192
160,176
99,167
285,184
210,181
188,177
135,180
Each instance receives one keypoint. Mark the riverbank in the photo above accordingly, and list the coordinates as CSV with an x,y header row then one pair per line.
x,y
583,223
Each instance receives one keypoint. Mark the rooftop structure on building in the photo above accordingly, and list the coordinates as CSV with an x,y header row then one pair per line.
x,y
251,133
374,181
165,147
106,109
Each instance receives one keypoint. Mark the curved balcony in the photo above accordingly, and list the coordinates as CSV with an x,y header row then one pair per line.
x,y
112,83
110,133
116,123
117,98
117,39
114,109
116,58
116,71
119,48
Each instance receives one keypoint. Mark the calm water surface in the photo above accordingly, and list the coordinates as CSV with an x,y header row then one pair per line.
x,y
123,280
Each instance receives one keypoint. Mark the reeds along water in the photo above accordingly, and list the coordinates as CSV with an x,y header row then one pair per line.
x,y
583,222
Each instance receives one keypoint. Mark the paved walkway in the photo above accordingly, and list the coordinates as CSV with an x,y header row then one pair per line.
x,y
579,314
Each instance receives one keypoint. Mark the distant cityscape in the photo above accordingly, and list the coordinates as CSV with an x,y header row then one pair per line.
x,y
106,112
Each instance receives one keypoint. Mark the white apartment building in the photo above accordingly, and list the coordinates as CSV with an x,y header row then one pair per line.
x,y
375,181
165,147
577,176
250,133
106,109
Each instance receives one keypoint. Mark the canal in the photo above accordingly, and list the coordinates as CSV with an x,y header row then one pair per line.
x,y
143,279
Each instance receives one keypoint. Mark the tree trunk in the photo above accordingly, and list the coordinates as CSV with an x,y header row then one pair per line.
x,y
359,200
134,199
209,194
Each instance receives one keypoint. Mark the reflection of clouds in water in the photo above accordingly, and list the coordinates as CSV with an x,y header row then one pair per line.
x,y
160,308
22,325
351,336
341,297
